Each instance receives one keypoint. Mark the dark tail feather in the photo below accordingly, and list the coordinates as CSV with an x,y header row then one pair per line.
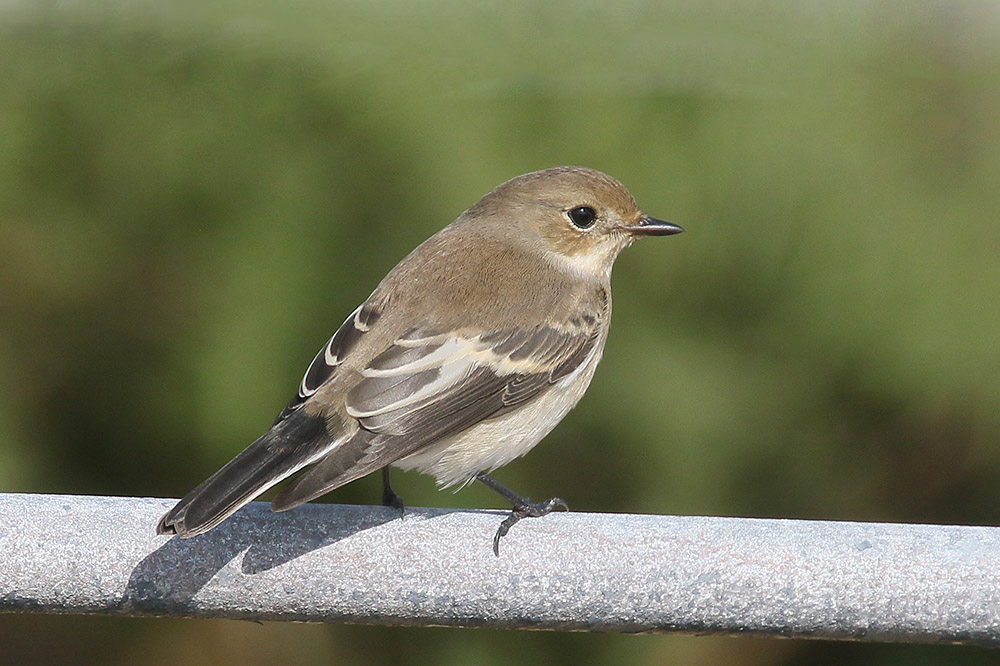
x,y
280,452
351,460
362,454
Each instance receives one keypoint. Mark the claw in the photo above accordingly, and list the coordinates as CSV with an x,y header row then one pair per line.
x,y
523,507
526,510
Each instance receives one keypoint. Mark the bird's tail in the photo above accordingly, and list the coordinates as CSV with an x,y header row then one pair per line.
x,y
286,448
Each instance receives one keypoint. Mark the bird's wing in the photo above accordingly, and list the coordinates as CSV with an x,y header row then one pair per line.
x,y
448,381
428,385
328,359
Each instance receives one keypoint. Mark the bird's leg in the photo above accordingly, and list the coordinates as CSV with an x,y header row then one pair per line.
x,y
389,497
523,507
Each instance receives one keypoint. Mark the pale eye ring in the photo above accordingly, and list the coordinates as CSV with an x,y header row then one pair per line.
x,y
582,216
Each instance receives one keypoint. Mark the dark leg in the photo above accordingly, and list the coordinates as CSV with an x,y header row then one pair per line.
x,y
390,498
523,507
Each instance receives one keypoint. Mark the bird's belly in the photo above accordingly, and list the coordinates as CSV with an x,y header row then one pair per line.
x,y
495,442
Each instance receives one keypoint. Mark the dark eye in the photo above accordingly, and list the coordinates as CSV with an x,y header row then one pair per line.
x,y
582,216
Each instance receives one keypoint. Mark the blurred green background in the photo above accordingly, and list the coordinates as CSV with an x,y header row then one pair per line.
x,y
194,195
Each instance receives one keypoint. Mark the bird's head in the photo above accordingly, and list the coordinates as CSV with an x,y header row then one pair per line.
x,y
577,217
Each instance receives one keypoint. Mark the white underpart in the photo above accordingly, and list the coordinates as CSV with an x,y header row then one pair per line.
x,y
495,442
587,265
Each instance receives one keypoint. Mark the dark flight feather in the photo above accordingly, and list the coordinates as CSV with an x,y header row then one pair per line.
x,y
278,453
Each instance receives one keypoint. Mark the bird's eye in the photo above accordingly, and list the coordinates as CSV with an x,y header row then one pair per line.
x,y
582,216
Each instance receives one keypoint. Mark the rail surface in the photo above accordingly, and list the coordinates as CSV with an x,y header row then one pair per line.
x,y
566,571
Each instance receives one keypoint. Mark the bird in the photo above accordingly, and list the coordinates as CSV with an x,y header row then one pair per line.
x,y
468,353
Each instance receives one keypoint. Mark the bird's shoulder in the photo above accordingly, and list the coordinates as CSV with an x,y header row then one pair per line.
x,y
465,277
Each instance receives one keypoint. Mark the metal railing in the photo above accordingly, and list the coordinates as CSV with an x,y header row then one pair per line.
x,y
566,571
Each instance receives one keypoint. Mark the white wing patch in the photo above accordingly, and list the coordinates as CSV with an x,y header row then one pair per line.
x,y
325,363
328,356
424,380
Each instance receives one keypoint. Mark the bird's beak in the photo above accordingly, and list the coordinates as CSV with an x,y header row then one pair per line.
x,y
650,226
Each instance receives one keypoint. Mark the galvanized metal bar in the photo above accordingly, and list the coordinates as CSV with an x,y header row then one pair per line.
x,y
566,571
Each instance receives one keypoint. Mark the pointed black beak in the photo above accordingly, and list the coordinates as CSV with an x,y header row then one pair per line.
x,y
650,226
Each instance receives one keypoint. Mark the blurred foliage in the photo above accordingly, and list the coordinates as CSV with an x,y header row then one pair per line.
x,y
194,195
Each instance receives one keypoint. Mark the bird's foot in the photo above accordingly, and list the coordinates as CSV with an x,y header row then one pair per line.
x,y
389,497
526,509
393,500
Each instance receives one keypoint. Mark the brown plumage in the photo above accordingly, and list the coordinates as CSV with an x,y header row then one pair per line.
x,y
464,357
